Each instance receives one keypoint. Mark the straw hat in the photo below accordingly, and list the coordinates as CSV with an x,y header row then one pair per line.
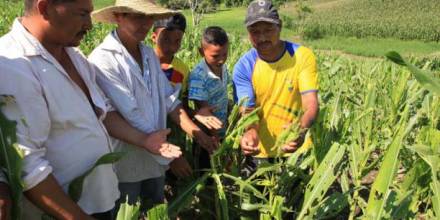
x,y
147,7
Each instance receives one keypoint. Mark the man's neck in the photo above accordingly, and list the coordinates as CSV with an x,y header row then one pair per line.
x,y
32,26
164,59
131,46
272,56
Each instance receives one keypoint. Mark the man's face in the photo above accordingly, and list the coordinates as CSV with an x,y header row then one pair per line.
x,y
168,41
215,55
69,21
264,36
134,25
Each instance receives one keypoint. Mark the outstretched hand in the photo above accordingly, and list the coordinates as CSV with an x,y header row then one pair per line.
x,y
205,116
156,143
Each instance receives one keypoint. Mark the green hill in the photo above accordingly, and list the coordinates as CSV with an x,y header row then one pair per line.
x,y
401,19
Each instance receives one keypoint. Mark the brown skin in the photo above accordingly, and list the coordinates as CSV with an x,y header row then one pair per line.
x,y
168,42
215,57
265,38
5,202
57,26
132,29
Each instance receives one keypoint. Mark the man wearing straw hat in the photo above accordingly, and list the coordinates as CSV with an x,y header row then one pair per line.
x,y
63,119
132,78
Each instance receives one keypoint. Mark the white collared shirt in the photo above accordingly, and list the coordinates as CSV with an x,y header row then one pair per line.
x,y
142,97
57,128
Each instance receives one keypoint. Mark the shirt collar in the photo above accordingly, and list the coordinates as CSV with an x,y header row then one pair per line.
x,y
212,74
113,43
31,46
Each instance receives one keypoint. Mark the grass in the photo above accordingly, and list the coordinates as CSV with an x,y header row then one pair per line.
x,y
231,19
402,19
375,47
102,3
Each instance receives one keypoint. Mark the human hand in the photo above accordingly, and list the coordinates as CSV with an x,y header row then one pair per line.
x,y
249,142
292,146
180,167
156,138
204,115
156,143
209,143
168,150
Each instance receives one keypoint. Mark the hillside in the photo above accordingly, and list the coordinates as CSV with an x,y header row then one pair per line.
x,y
401,19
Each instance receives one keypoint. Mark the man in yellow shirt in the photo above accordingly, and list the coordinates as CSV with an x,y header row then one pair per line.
x,y
278,76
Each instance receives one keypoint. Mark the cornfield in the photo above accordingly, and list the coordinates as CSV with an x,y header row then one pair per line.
x,y
375,154
402,19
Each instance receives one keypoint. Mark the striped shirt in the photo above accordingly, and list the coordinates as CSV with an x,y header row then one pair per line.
x,y
142,96
204,85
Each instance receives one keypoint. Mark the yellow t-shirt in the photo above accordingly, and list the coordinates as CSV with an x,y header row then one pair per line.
x,y
276,88
177,73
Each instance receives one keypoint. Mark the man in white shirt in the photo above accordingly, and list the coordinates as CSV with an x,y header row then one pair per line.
x,y
132,78
62,115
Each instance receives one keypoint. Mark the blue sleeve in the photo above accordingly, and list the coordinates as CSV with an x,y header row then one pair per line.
x,y
197,89
242,78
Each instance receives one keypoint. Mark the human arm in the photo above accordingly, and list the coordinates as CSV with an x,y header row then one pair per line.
x,y
154,142
180,167
243,89
128,122
27,106
180,117
308,88
205,116
50,198
311,109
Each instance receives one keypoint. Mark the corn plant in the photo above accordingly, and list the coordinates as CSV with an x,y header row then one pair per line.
x,y
11,158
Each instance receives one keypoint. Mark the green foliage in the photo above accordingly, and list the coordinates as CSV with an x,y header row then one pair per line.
x,y
11,157
9,10
159,212
375,145
377,47
427,79
403,19
129,212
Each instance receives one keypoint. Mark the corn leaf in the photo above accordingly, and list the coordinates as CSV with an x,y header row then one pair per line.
x,y
222,203
186,196
11,159
158,212
425,78
277,207
380,190
321,180
128,212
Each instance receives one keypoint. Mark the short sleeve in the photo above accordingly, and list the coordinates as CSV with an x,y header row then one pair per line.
x,y
197,89
308,76
242,78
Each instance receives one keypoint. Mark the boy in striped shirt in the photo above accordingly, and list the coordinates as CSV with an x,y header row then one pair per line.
x,y
208,83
